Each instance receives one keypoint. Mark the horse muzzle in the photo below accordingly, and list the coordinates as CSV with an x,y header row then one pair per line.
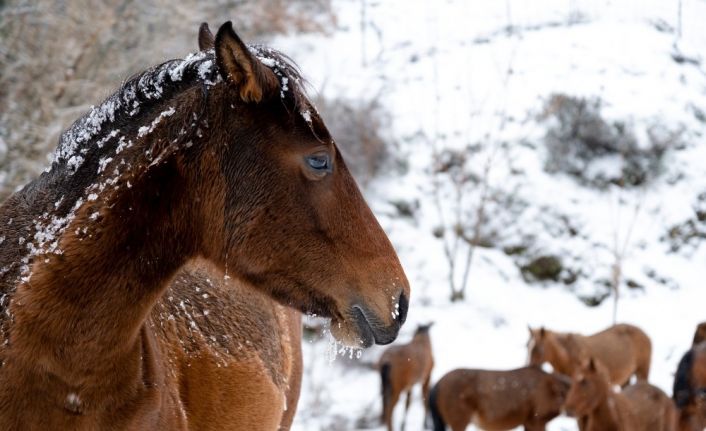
x,y
373,330
363,327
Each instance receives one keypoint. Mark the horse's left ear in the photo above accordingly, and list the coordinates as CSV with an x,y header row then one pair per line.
x,y
254,81
206,39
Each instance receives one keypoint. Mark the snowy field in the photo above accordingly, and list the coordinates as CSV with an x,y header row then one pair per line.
x,y
451,73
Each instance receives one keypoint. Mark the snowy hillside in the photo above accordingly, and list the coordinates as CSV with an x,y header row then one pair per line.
x,y
477,79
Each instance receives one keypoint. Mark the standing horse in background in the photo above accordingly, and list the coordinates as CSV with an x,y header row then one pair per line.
x,y
689,390
251,334
623,349
401,367
639,407
218,156
497,400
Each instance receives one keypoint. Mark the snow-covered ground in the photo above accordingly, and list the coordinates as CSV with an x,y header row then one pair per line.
x,y
450,73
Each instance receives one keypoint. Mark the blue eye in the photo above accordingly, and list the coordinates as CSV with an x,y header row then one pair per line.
x,y
319,162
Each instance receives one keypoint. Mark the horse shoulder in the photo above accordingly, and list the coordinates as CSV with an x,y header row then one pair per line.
x,y
238,361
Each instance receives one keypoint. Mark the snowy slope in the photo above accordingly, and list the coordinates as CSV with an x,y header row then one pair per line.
x,y
451,73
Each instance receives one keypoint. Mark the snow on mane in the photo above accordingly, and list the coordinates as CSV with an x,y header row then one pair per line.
x,y
147,88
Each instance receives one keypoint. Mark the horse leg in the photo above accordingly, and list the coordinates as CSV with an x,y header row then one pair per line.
x,y
642,371
425,398
389,408
406,409
644,359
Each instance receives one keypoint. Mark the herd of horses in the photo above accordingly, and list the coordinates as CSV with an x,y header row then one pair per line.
x,y
152,278
601,380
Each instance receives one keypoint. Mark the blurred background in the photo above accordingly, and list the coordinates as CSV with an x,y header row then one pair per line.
x,y
534,162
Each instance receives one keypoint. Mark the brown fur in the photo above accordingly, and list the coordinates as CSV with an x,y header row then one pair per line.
x,y
690,388
640,407
401,368
691,417
497,400
231,342
699,334
176,166
625,350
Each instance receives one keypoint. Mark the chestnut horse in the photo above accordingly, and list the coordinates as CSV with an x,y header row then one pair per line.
x,y
240,328
497,400
219,156
689,391
623,349
639,407
401,367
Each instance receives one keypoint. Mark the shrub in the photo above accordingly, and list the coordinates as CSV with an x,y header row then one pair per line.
x,y
581,143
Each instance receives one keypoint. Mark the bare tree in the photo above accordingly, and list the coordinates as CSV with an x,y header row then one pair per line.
x,y
460,229
620,249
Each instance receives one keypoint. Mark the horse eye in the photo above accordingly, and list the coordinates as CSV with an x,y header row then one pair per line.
x,y
319,162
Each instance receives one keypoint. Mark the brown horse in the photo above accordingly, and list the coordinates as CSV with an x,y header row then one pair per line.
x,y
623,349
219,156
223,321
401,367
689,391
497,400
639,407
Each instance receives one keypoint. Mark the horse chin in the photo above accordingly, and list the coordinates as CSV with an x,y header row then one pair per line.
x,y
352,333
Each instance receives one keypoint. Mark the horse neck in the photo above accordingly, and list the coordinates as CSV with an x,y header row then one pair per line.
x,y
422,340
80,313
559,356
606,416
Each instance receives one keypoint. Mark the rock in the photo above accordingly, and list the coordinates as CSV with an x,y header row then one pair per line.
x,y
543,268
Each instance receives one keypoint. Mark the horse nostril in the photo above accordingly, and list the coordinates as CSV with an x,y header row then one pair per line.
x,y
402,305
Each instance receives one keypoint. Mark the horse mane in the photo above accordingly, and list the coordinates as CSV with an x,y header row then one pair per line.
x,y
682,390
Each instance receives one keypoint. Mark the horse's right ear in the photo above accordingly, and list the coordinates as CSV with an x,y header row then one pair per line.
x,y
591,364
254,81
542,332
206,39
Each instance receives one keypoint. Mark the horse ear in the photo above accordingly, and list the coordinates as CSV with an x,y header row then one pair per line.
x,y
206,39
591,364
542,332
239,67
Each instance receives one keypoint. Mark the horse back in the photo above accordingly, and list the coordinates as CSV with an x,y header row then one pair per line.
x,y
234,354
495,399
622,349
652,409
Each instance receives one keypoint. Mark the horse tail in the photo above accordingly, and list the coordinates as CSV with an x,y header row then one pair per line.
x,y
436,418
386,389
682,390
